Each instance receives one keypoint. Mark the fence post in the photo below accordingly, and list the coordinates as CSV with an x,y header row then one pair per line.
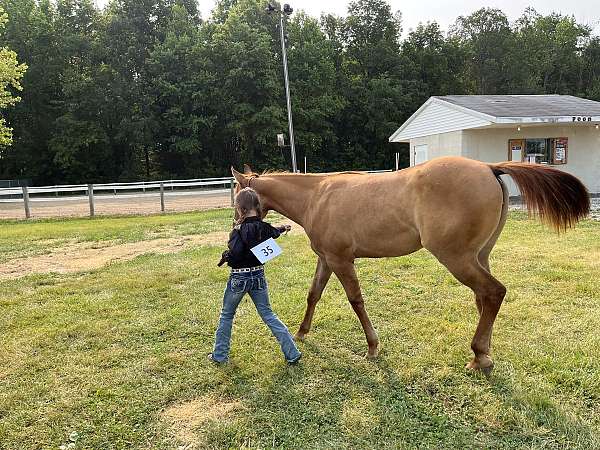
x,y
305,164
397,160
162,197
91,198
26,202
231,189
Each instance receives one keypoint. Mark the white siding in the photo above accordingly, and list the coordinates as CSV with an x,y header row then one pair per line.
x,y
445,144
437,117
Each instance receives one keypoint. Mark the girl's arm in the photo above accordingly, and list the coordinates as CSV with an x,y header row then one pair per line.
x,y
235,248
275,232
235,244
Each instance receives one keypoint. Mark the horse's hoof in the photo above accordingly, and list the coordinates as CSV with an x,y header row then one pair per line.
x,y
299,337
485,366
372,355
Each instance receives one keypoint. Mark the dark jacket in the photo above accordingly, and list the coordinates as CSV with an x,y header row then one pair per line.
x,y
251,232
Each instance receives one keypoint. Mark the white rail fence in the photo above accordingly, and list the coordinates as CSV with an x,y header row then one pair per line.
x,y
29,195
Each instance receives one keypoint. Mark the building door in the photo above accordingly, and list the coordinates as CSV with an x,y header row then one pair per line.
x,y
420,154
516,149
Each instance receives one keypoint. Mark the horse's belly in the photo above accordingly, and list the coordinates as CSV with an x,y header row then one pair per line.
x,y
387,245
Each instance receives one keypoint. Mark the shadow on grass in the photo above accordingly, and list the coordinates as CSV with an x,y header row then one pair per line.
x,y
541,419
338,399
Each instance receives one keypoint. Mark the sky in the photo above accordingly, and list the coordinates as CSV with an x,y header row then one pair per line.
x,y
446,12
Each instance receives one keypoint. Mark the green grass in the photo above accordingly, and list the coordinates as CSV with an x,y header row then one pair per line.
x,y
35,237
102,353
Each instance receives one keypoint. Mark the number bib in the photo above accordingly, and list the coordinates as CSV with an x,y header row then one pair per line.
x,y
266,250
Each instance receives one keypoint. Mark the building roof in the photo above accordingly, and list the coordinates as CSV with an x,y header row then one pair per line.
x,y
525,105
443,114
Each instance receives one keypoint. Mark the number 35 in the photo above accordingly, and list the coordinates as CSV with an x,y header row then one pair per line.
x,y
267,250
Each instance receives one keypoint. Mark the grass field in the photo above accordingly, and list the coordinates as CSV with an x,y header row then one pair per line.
x,y
115,357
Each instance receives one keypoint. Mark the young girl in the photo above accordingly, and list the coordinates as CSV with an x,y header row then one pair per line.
x,y
248,276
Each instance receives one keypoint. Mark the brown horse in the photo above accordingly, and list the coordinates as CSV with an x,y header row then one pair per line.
x,y
454,207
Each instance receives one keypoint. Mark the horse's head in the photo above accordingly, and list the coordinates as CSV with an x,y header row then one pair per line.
x,y
249,179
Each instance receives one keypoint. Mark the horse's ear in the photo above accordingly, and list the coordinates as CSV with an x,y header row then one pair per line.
x,y
241,179
247,169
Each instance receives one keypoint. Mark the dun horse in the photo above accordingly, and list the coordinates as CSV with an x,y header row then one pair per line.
x,y
453,207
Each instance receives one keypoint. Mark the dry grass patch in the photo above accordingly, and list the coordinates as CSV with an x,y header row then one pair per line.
x,y
85,256
188,421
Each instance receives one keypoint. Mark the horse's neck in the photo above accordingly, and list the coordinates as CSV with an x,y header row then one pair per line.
x,y
288,194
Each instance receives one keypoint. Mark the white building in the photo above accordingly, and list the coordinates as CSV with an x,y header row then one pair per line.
x,y
559,130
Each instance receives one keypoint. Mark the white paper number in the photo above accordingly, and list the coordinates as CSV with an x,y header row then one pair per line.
x,y
266,251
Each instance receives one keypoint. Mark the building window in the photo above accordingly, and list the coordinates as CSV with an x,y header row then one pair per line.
x,y
539,150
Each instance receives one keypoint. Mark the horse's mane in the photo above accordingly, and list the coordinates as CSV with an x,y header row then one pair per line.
x,y
286,172
275,172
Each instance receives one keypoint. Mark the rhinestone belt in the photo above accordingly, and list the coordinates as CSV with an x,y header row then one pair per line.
x,y
247,269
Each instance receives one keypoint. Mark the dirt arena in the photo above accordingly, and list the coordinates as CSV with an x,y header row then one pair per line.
x,y
125,204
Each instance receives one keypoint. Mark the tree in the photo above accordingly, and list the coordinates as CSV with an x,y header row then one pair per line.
x,y
489,41
11,73
438,62
550,47
30,33
372,34
178,99
316,100
591,70
245,92
375,82
79,142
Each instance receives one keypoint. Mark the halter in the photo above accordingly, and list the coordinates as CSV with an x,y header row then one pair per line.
x,y
252,177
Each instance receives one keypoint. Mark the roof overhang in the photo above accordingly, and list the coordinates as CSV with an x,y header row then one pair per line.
x,y
549,119
491,121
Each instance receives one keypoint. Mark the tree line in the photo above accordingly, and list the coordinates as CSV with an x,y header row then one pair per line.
x,y
147,89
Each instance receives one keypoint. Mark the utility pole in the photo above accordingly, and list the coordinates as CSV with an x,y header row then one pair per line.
x,y
287,10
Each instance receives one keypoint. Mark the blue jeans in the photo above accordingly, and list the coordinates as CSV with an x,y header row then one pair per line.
x,y
253,283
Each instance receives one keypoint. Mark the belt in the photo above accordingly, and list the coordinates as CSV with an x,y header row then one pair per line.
x,y
247,269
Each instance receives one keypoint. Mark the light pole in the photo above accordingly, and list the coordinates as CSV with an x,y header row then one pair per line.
x,y
287,10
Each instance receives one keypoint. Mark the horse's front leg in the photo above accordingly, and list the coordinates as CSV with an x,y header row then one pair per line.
x,y
320,280
347,275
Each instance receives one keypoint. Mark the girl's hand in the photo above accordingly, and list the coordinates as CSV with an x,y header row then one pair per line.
x,y
284,228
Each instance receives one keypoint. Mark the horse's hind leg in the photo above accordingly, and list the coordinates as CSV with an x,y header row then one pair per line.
x,y
320,280
489,294
484,254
